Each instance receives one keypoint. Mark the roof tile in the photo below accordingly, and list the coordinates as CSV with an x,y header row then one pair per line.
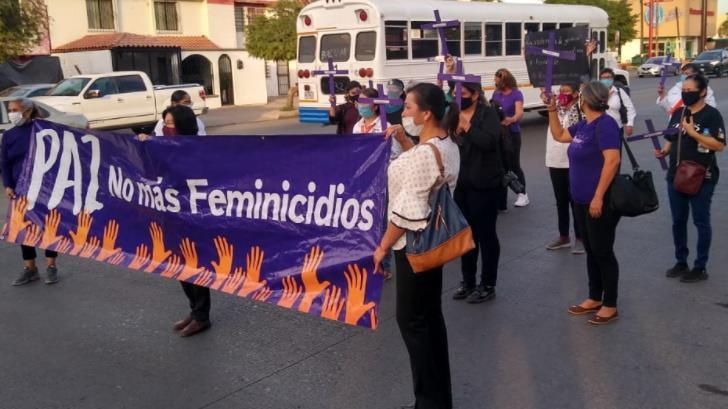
x,y
106,41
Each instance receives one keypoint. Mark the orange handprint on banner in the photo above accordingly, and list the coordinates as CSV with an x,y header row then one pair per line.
x,y
311,284
263,295
233,281
90,248
159,253
373,320
291,292
50,232
32,236
356,280
141,258
333,304
174,266
205,278
224,266
17,218
189,252
80,236
64,245
253,263
116,260
111,233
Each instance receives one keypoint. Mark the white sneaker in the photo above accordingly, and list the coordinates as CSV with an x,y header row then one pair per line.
x,y
522,200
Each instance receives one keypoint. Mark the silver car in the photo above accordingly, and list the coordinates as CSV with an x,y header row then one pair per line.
x,y
26,90
46,112
654,66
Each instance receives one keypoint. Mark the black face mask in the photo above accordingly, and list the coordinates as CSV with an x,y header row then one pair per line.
x,y
466,103
690,97
352,98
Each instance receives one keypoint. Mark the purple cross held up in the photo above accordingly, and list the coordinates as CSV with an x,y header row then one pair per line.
x,y
331,72
381,101
459,77
552,54
655,136
440,26
665,64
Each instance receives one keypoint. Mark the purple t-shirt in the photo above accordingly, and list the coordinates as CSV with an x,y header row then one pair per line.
x,y
508,102
585,155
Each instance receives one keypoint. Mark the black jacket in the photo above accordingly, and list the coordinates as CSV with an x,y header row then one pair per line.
x,y
481,162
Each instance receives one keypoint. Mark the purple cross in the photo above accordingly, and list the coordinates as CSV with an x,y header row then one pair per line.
x,y
331,72
655,136
551,54
381,101
371,84
459,77
440,26
665,64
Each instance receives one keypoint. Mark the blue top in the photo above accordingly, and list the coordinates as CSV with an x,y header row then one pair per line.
x,y
14,149
585,155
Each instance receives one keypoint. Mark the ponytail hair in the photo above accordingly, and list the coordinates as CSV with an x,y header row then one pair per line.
x,y
430,97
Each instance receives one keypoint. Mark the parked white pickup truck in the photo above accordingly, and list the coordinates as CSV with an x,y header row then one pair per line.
x,y
115,100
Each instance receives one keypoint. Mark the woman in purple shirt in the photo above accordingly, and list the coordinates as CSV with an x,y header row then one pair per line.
x,y
511,99
594,156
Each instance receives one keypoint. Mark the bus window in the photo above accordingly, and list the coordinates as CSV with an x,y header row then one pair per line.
x,y
307,49
395,36
602,41
549,26
424,42
473,39
366,46
335,46
493,39
532,27
452,34
566,25
513,38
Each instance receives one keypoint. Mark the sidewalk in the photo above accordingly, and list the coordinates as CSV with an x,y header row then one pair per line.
x,y
231,115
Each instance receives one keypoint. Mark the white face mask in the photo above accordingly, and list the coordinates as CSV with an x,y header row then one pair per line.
x,y
16,118
409,126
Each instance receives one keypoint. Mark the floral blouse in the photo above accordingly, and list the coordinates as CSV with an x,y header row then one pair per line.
x,y
411,178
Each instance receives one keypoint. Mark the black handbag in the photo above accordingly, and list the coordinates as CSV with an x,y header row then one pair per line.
x,y
632,195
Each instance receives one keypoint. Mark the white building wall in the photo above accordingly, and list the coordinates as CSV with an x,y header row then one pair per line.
x,y
88,62
221,25
249,88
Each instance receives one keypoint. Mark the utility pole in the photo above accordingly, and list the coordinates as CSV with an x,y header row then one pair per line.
x,y
651,28
703,26
642,24
677,23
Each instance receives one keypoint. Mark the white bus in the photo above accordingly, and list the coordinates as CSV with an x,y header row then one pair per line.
x,y
377,40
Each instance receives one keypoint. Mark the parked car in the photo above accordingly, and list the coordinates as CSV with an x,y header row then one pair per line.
x,y
116,100
26,90
46,112
713,62
654,66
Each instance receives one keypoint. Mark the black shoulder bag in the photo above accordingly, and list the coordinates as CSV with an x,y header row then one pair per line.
x,y
632,195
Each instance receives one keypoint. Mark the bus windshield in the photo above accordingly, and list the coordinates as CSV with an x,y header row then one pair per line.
x,y
69,88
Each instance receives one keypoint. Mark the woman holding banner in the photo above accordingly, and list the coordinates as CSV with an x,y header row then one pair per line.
x,y
411,179
15,145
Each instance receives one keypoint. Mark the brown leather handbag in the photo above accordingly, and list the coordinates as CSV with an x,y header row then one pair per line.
x,y
689,175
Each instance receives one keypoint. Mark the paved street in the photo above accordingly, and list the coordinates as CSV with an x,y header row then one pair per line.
x,y
101,338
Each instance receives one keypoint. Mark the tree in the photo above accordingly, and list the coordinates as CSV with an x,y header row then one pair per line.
x,y
22,24
273,36
620,17
723,30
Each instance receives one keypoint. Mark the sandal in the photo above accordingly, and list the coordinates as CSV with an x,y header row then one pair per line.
x,y
599,320
579,310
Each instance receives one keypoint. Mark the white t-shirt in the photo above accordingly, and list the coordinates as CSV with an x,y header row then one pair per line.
x,y
377,128
615,105
556,152
200,128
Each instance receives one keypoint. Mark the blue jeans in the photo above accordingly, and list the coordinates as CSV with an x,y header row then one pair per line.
x,y
680,205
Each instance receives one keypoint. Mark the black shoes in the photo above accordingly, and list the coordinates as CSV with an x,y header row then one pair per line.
x,y
678,270
694,275
463,292
481,294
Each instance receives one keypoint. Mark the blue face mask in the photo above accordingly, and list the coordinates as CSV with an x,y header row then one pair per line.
x,y
607,82
683,77
365,111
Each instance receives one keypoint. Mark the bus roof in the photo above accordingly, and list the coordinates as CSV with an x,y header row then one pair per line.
x,y
475,11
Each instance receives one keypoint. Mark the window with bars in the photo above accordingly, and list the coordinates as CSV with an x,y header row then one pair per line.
x,y
395,40
165,13
240,26
100,14
473,38
493,39
424,41
514,35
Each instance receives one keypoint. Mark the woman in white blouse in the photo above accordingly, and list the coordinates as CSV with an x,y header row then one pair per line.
x,y
412,177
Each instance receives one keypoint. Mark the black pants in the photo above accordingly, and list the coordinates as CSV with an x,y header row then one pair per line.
x,y
513,163
422,325
560,182
199,301
30,254
480,208
601,262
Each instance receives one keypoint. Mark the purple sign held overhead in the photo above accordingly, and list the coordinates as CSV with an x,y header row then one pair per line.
x,y
551,54
288,220
381,101
459,77
331,72
655,137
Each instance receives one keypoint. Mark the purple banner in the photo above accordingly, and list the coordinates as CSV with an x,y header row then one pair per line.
x,y
288,220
